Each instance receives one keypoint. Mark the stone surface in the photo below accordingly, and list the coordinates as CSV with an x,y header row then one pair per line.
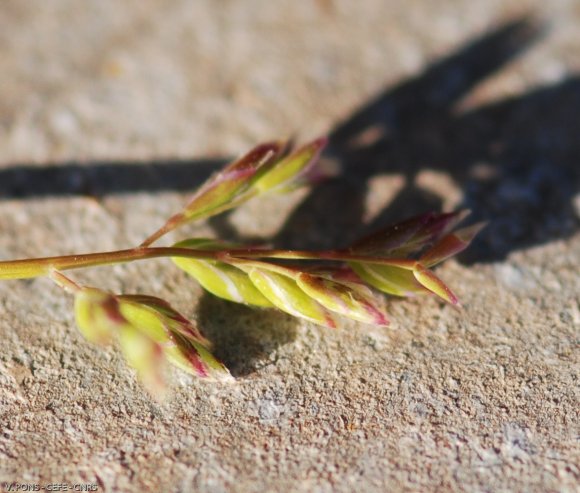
x,y
111,112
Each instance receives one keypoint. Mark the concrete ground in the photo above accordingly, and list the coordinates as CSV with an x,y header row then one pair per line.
x,y
111,113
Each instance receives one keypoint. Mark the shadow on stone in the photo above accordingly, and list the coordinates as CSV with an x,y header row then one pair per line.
x,y
105,178
244,338
514,162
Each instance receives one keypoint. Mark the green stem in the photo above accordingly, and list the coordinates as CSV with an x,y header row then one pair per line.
x,y
324,255
28,268
172,223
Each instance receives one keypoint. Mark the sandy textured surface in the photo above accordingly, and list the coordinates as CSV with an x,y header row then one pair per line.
x,y
111,112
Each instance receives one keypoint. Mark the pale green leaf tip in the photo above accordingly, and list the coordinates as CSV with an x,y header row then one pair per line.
x,y
390,279
291,166
96,314
430,281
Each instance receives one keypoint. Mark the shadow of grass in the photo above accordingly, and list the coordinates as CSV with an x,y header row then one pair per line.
x,y
515,162
244,338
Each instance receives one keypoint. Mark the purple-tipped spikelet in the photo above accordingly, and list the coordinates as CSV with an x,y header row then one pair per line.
x,y
320,287
150,333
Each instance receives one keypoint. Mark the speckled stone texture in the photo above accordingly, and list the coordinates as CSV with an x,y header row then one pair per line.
x,y
112,112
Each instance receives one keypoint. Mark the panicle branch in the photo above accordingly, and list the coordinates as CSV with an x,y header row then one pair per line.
x,y
322,287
